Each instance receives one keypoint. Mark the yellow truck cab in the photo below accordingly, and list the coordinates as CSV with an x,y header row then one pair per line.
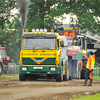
x,y
43,54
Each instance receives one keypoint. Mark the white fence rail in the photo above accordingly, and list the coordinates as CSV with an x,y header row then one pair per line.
x,y
97,71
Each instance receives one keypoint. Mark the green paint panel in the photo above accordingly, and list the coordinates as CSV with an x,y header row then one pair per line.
x,y
48,61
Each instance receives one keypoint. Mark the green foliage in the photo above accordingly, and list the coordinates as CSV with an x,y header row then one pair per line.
x,y
9,27
87,13
5,16
88,23
43,14
7,36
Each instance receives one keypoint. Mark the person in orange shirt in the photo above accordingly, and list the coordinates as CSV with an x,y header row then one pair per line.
x,y
89,66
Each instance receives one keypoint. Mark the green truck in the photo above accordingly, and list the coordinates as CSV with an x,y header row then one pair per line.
x,y
43,54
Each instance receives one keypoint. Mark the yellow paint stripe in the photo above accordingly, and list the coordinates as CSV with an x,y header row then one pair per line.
x,y
44,59
39,62
33,58
41,65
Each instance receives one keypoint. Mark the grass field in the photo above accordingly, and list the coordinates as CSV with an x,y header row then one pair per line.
x,y
96,78
9,76
89,97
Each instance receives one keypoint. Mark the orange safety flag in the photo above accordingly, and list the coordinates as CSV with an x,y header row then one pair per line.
x,y
91,75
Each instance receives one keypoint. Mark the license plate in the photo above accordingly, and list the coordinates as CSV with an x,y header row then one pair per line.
x,y
37,67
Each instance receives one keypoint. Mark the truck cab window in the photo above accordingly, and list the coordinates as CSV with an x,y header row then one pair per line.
x,y
38,43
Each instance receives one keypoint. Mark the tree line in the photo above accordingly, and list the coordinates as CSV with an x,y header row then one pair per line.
x,y
44,14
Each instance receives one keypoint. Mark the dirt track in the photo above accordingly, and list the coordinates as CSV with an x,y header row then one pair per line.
x,y
13,89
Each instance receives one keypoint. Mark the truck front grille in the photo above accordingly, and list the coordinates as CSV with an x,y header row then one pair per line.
x,y
29,61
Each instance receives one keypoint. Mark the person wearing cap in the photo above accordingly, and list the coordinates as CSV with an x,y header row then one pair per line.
x,y
90,67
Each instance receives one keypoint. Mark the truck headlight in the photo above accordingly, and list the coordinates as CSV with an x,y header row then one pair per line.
x,y
52,69
24,68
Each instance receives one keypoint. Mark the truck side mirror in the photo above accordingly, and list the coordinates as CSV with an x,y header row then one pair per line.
x,y
62,43
18,42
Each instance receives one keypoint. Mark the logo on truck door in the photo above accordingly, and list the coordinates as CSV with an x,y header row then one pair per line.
x,y
39,61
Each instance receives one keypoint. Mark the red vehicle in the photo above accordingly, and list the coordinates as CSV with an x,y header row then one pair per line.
x,y
4,57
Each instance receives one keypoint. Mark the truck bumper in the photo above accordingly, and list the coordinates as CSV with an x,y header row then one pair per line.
x,y
39,70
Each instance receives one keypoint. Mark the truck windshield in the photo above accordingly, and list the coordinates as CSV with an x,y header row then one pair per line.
x,y
39,44
70,41
3,52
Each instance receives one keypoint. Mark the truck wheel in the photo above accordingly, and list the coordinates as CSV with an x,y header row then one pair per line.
x,y
1,69
83,71
71,77
22,77
59,77
31,77
35,77
68,72
5,69
65,76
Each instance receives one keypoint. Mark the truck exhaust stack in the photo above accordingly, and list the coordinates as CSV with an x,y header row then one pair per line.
x,y
23,31
23,10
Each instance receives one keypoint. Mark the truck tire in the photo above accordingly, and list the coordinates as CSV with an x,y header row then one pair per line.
x,y
70,67
1,69
59,77
65,77
83,71
22,77
5,69
35,77
71,77
31,77
68,72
